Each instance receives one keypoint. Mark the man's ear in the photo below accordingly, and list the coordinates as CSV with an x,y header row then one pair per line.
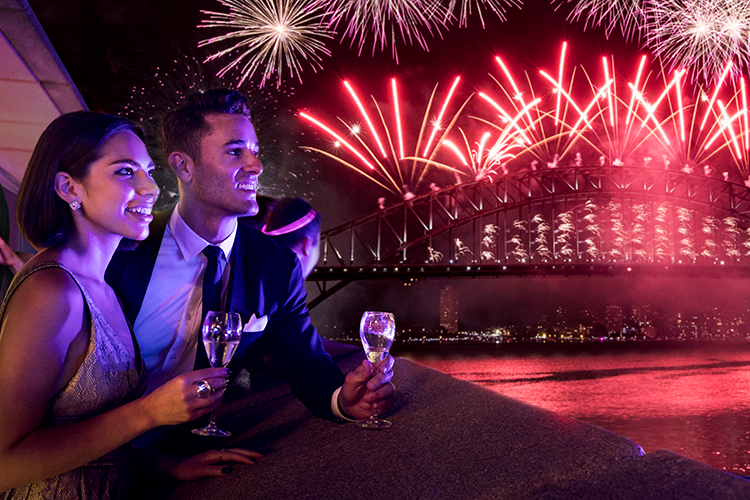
x,y
67,187
307,245
182,165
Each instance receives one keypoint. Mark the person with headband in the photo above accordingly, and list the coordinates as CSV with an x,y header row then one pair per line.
x,y
293,223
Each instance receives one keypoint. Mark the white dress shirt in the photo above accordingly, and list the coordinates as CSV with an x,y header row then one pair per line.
x,y
175,297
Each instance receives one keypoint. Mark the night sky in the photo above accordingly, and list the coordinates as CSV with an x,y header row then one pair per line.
x,y
112,49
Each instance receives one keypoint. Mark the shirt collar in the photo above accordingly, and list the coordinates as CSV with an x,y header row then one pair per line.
x,y
190,244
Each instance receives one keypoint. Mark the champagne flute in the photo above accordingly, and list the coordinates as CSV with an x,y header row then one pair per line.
x,y
221,336
376,329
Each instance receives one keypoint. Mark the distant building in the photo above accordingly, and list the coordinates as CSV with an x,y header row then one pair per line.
x,y
643,318
613,320
642,314
449,309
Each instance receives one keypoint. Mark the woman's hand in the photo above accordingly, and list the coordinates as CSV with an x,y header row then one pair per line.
x,y
177,401
213,463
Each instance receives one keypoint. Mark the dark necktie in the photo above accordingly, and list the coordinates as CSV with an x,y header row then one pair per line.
x,y
211,295
212,280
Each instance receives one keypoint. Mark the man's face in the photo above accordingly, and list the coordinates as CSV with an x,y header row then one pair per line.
x,y
225,176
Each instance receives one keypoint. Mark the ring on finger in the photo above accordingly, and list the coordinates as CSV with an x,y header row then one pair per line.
x,y
203,389
221,452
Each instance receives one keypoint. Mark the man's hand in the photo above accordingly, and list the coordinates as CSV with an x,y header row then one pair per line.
x,y
366,387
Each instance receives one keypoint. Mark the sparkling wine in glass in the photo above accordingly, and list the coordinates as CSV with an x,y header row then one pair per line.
x,y
221,335
377,330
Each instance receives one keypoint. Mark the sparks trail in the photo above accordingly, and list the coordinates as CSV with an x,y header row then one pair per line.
x,y
498,7
627,15
618,118
269,35
410,20
699,34
378,146
578,117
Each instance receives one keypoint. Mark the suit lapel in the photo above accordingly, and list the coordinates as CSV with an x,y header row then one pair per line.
x,y
244,283
130,271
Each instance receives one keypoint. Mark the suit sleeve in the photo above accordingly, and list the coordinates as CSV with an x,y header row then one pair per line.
x,y
297,349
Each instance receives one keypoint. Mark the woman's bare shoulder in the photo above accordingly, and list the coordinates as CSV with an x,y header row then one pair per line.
x,y
48,296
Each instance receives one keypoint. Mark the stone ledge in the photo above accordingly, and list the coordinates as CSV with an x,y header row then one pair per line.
x,y
450,439
660,475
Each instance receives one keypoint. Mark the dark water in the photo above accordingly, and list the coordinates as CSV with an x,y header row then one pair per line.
x,y
690,398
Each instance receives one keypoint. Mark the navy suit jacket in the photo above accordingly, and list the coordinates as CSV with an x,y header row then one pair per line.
x,y
265,280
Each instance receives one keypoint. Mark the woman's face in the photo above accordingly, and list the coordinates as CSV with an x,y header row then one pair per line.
x,y
119,193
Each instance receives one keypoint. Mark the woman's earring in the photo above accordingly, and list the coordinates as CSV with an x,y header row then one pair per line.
x,y
75,205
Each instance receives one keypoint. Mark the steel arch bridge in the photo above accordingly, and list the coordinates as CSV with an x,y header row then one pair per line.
x,y
567,221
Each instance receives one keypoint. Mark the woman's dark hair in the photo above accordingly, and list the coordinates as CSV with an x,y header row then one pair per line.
x,y
71,143
183,128
286,211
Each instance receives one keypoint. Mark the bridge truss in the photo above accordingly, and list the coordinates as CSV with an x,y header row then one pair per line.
x,y
585,220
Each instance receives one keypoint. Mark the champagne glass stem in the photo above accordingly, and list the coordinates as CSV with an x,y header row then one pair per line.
x,y
212,420
373,370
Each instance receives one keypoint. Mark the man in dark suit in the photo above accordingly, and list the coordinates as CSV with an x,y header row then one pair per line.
x,y
211,145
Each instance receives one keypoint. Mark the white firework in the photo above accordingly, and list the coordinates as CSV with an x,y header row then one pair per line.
x,y
435,256
611,14
387,21
461,248
268,36
499,7
700,35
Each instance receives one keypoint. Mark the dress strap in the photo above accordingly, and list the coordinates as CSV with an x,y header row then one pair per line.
x,y
94,312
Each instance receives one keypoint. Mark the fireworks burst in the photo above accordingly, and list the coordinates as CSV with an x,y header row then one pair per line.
x,y
488,160
685,230
269,35
496,6
624,121
490,234
379,151
661,233
519,250
435,256
732,233
702,35
594,238
542,230
566,233
386,20
625,14
617,117
461,248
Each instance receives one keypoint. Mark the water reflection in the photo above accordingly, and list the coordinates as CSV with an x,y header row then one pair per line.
x,y
691,399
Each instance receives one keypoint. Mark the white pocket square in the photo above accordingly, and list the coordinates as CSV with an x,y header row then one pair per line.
x,y
255,324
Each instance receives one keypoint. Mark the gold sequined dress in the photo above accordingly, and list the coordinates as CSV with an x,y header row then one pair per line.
x,y
108,377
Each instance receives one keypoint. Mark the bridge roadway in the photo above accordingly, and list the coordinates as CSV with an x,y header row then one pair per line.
x,y
413,273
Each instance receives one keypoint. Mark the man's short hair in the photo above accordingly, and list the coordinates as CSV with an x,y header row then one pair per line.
x,y
182,129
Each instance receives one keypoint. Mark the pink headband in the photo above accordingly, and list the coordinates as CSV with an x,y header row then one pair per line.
x,y
290,228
